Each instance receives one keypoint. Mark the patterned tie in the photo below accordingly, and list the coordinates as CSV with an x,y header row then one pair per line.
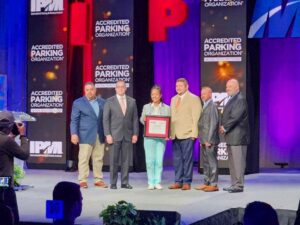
x,y
123,106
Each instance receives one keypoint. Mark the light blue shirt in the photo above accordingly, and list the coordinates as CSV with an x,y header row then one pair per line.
x,y
95,105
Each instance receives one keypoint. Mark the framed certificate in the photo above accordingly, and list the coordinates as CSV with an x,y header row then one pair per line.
x,y
157,126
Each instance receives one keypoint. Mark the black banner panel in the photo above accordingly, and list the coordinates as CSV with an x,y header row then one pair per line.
x,y
112,45
223,53
47,81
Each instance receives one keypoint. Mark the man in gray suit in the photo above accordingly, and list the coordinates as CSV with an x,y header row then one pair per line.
x,y
209,139
235,127
121,128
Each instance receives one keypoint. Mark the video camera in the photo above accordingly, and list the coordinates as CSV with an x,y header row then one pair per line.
x,y
15,130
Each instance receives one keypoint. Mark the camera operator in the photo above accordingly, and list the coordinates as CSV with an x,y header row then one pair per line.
x,y
8,150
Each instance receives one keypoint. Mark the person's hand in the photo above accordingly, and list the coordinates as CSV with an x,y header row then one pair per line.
x,y
222,130
134,139
207,144
74,139
21,128
109,139
193,138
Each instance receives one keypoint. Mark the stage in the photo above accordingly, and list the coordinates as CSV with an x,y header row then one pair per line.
x,y
278,187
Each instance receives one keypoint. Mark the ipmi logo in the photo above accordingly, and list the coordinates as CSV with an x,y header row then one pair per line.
x,y
46,7
46,148
282,19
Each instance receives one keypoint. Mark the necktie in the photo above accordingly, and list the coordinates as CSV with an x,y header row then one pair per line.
x,y
123,106
178,102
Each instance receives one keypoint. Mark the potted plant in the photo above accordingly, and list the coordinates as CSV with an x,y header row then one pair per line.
x,y
124,213
121,213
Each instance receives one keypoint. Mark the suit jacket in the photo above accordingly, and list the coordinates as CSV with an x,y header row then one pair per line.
x,y
209,124
164,110
84,121
118,125
184,120
235,121
10,149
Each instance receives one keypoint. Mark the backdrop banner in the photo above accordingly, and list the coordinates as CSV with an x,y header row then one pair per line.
x,y
112,45
47,82
223,53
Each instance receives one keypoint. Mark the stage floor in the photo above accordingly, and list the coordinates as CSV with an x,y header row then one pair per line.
x,y
280,188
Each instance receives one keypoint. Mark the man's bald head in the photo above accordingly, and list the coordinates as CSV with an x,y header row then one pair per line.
x,y
232,87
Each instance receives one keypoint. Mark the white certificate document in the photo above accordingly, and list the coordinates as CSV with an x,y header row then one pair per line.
x,y
157,127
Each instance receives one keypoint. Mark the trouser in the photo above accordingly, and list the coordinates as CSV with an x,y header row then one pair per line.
x,y
237,164
154,151
210,164
183,160
8,198
120,150
96,151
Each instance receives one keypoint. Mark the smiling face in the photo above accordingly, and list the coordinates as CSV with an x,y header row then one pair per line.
x,y
232,87
206,94
90,91
120,88
155,96
181,87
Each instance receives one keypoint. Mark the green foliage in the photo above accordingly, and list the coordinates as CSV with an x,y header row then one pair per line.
x,y
121,213
124,213
19,173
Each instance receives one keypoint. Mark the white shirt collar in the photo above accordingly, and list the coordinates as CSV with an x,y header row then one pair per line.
x,y
119,96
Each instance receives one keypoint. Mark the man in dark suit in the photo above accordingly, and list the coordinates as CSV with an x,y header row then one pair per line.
x,y
87,130
121,128
235,127
209,139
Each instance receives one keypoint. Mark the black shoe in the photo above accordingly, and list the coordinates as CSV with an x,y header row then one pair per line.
x,y
228,188
126,186
236,190
113,186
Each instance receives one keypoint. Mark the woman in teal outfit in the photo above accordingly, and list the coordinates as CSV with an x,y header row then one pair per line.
x,y
154,147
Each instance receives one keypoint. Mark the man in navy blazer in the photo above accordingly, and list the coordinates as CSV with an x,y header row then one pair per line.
x,y
87,130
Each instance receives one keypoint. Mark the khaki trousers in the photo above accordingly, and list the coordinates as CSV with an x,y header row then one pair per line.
x,y
97,153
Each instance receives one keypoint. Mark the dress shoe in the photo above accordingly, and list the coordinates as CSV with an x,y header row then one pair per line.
x,y
175,186
236,190
100,184
228,188
151,187
211,188
158,187
83,184
201,187
113,186
126,186
186,187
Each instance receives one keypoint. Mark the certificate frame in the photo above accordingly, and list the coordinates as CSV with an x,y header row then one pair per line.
x,y
157,126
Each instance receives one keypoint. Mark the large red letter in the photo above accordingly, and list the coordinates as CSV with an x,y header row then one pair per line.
x,y
164,14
